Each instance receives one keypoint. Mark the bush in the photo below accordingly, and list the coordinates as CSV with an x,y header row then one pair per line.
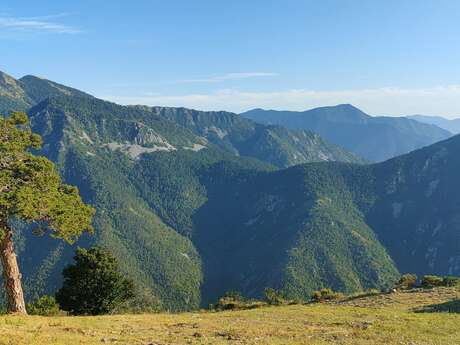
x,y
451,281
94,284
325,294
230,300
274,297
44,306
407,282
430,281
233,300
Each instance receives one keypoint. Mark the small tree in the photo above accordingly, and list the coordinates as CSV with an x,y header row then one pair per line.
x,y
44,306
94,284
229,300
274,297
407,281
31,190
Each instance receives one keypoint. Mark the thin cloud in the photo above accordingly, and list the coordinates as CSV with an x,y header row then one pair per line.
x,y
228,76
37,24
442,100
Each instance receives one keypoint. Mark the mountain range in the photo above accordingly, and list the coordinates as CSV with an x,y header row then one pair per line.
x,y
273,144
375,138
452,126
198,203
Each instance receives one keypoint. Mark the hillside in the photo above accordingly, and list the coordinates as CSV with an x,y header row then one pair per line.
x,y
20,95
12,95
452,126
147,174
342,221
416,215
374,138
358,321
273,144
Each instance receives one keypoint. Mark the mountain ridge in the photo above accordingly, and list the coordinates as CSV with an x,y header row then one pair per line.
x,y
374,138
451,125
273,144
21,94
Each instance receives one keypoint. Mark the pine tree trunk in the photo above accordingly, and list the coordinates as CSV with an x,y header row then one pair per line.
x,y
11,274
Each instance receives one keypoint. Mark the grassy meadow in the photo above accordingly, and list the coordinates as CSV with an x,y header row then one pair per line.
x,y
405,318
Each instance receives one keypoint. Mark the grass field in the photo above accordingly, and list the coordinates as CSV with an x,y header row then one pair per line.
x,y
406,318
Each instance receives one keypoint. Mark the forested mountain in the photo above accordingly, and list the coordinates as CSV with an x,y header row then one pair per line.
x,y
274,144
192,222
99,145
190,219
374,138
452,126
416,215
20,95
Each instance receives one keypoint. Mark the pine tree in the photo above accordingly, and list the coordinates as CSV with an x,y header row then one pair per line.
x,y
32,191
94,285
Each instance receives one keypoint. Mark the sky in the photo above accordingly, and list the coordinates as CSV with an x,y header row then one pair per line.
x,y
386,57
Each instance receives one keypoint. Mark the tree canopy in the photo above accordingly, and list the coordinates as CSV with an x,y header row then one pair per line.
x,y
31,189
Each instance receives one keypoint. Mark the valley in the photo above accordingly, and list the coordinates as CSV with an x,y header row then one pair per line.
x,y
230,172
195,204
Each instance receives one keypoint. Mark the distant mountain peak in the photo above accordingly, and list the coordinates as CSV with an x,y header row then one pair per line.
x,y
345,106
341,110
374,138
348,107
451,125
31,76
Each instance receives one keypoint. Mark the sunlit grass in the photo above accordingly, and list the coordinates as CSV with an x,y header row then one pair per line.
x,y
375,319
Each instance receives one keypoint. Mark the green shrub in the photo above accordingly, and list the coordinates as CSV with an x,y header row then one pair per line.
x,y
451,281
406,282
44,306
274,297
233,300
430,281
94,285
325,294
230,300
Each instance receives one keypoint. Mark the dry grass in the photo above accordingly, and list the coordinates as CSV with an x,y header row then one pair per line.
x,y
381,319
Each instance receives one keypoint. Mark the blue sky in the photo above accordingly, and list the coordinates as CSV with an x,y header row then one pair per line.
x,y
387,57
